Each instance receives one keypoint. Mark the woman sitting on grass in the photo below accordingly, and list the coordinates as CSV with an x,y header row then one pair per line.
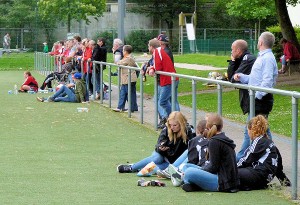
x,y
29,84
172,142
261,160
220,174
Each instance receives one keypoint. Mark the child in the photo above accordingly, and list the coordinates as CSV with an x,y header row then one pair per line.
x,y
29,84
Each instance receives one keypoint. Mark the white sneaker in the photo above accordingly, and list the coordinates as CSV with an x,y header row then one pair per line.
x,y
176,176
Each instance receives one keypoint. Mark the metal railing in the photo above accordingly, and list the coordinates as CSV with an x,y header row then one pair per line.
x,y
220,84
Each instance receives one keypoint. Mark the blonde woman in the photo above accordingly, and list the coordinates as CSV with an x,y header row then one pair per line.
x,y
172,142
261,160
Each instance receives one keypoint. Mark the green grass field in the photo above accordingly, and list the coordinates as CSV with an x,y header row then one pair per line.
x,y
51,154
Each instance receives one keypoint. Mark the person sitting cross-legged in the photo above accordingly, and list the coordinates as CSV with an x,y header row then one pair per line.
x,y
66,94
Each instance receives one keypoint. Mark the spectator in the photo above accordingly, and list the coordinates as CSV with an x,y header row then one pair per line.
x,y
65,94
6,42
127,61
87,66
29,84
220,174
99,53
67,68
172,142
263,74
163,61
195,155
241,62
45,49
290,52
261,160
117,50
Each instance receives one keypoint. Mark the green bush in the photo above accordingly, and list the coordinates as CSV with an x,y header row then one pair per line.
x,y
139,39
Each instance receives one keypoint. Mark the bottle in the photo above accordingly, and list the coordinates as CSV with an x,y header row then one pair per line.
x,y
15,89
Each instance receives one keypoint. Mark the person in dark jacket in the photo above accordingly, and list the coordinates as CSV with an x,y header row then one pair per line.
x,y
220,174
262,160
241,62
172,142
195,155
99,53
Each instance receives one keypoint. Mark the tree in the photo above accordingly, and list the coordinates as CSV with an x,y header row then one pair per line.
x,y
286,26
67,10
164,10
262,9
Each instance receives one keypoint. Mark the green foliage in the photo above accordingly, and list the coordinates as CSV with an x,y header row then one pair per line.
x,y
139,39
66,11
259,9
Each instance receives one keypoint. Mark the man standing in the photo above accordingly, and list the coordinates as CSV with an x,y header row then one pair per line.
x,y
99,53
117,50
263,74
163,61
241,62
6,42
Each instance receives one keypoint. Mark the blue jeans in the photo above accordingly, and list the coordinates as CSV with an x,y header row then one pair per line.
x,y
64,94
247,141
97,81
182,159
283,61
203,179
155,157
164,101
124,97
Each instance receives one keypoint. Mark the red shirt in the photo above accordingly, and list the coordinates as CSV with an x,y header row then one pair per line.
x,y
30,81
163,62
86,55
290,51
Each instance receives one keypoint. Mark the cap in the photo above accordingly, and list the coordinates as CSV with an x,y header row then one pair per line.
x,y
45,43
163,38
77,75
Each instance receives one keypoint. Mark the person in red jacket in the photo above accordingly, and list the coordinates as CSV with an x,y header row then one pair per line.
x,y
29,84
290,52
163,61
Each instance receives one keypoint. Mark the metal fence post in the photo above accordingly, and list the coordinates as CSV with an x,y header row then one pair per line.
x,y
294,146
173,93
194,102
220,99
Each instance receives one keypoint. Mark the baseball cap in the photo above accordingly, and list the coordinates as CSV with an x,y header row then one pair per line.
x,y
163,38
77,75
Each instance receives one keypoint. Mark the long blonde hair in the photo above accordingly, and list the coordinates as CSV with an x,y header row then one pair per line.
x,y
182,121
214,124
258,126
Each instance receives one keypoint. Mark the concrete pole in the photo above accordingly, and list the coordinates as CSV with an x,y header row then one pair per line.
x,y
121,16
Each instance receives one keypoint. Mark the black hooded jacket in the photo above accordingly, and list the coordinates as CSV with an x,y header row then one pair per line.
x,y
222,161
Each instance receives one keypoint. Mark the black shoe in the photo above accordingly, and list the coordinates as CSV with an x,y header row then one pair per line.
x,y
124,168
114,74
190,188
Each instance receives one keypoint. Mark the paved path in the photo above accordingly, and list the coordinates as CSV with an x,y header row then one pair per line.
x,y
233,129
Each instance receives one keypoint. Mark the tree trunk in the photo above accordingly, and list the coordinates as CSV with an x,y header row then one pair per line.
x,y
286,26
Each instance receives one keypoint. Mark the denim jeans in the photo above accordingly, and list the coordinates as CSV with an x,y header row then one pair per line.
x,y
164,101
64,94
203,179
283,61
247,141
155,157
124,97
182,159
97,81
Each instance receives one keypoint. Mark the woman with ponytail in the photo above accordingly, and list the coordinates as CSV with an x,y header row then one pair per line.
x,y
220,174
